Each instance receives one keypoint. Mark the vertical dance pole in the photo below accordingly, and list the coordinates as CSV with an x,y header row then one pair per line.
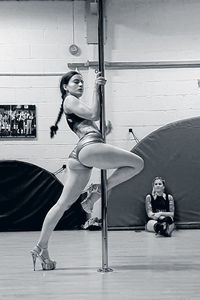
x,y
105,267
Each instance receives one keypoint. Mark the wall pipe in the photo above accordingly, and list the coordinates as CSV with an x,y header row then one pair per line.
x,y
115,66
28,74
138,65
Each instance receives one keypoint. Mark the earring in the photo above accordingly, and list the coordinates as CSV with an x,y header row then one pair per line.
x,y
65,87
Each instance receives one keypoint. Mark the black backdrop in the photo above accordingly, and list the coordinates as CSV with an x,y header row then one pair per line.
x,y
173,152
27,192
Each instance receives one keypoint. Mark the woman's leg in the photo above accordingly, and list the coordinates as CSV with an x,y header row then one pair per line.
x,y
77,178
105,156
150,226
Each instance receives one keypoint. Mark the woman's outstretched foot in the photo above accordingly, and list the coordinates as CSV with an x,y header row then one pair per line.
x,y
43,255
93,194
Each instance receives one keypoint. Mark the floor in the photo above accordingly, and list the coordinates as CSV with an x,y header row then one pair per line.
x,y
144,266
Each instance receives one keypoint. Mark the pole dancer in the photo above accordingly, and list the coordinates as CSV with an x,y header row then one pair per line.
x,y
90,151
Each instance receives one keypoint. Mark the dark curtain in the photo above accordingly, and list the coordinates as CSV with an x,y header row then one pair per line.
x,y
27,192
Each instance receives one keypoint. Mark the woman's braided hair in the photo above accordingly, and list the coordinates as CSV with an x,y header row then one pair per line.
x,y
64,80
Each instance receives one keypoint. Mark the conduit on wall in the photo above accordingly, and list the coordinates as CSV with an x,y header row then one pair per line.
x,y
138,65
116,65
31,74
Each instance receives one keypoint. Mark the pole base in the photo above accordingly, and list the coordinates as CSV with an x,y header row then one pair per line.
x,y
105,270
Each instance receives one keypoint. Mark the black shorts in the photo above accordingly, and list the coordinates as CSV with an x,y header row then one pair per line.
x,y
88,139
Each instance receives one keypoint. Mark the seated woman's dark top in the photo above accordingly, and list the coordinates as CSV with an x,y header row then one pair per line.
x,y
160,204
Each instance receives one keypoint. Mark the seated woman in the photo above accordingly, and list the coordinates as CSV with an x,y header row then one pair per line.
x,y
160,209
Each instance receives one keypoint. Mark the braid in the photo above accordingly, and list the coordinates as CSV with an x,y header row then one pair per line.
x,y
54,128
65,79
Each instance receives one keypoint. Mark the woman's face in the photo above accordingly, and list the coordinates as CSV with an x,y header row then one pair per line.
x,y
75,85
158,185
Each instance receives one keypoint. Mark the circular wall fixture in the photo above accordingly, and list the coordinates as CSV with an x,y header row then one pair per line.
x,y
74,49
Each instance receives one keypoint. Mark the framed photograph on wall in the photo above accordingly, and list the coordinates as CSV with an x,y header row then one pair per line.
x,y
17,121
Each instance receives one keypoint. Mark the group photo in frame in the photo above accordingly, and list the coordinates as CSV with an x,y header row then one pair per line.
x,y
17,121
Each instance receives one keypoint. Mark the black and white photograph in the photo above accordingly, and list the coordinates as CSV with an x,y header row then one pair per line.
x,y
99,149
17,121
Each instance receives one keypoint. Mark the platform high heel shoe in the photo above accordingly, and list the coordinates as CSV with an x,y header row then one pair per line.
x,y
46,263
89,201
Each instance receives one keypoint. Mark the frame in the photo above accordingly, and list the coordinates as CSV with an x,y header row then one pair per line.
x,y
17,121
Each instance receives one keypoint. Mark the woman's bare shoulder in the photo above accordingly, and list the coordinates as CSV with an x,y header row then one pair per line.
x,y
69,103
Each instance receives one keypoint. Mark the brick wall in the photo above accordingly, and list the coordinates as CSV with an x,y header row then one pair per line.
x,y
35,36
147,31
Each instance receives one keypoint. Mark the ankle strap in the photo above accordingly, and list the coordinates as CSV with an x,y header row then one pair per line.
x,y
41,247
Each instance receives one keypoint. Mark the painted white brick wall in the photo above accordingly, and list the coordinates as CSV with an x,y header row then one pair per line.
x,y
148,99
153,30
35,36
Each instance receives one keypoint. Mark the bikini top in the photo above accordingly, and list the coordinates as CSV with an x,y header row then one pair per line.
x,y
80,126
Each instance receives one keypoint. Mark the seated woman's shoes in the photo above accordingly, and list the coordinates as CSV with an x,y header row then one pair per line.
x,y
166,232
46,263
162,229
158,227
93,194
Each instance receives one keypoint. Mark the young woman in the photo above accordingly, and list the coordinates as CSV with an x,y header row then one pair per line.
x,y
160,209
90,151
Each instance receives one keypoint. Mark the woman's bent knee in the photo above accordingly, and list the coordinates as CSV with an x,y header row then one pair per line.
x,y
150,225
139,164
